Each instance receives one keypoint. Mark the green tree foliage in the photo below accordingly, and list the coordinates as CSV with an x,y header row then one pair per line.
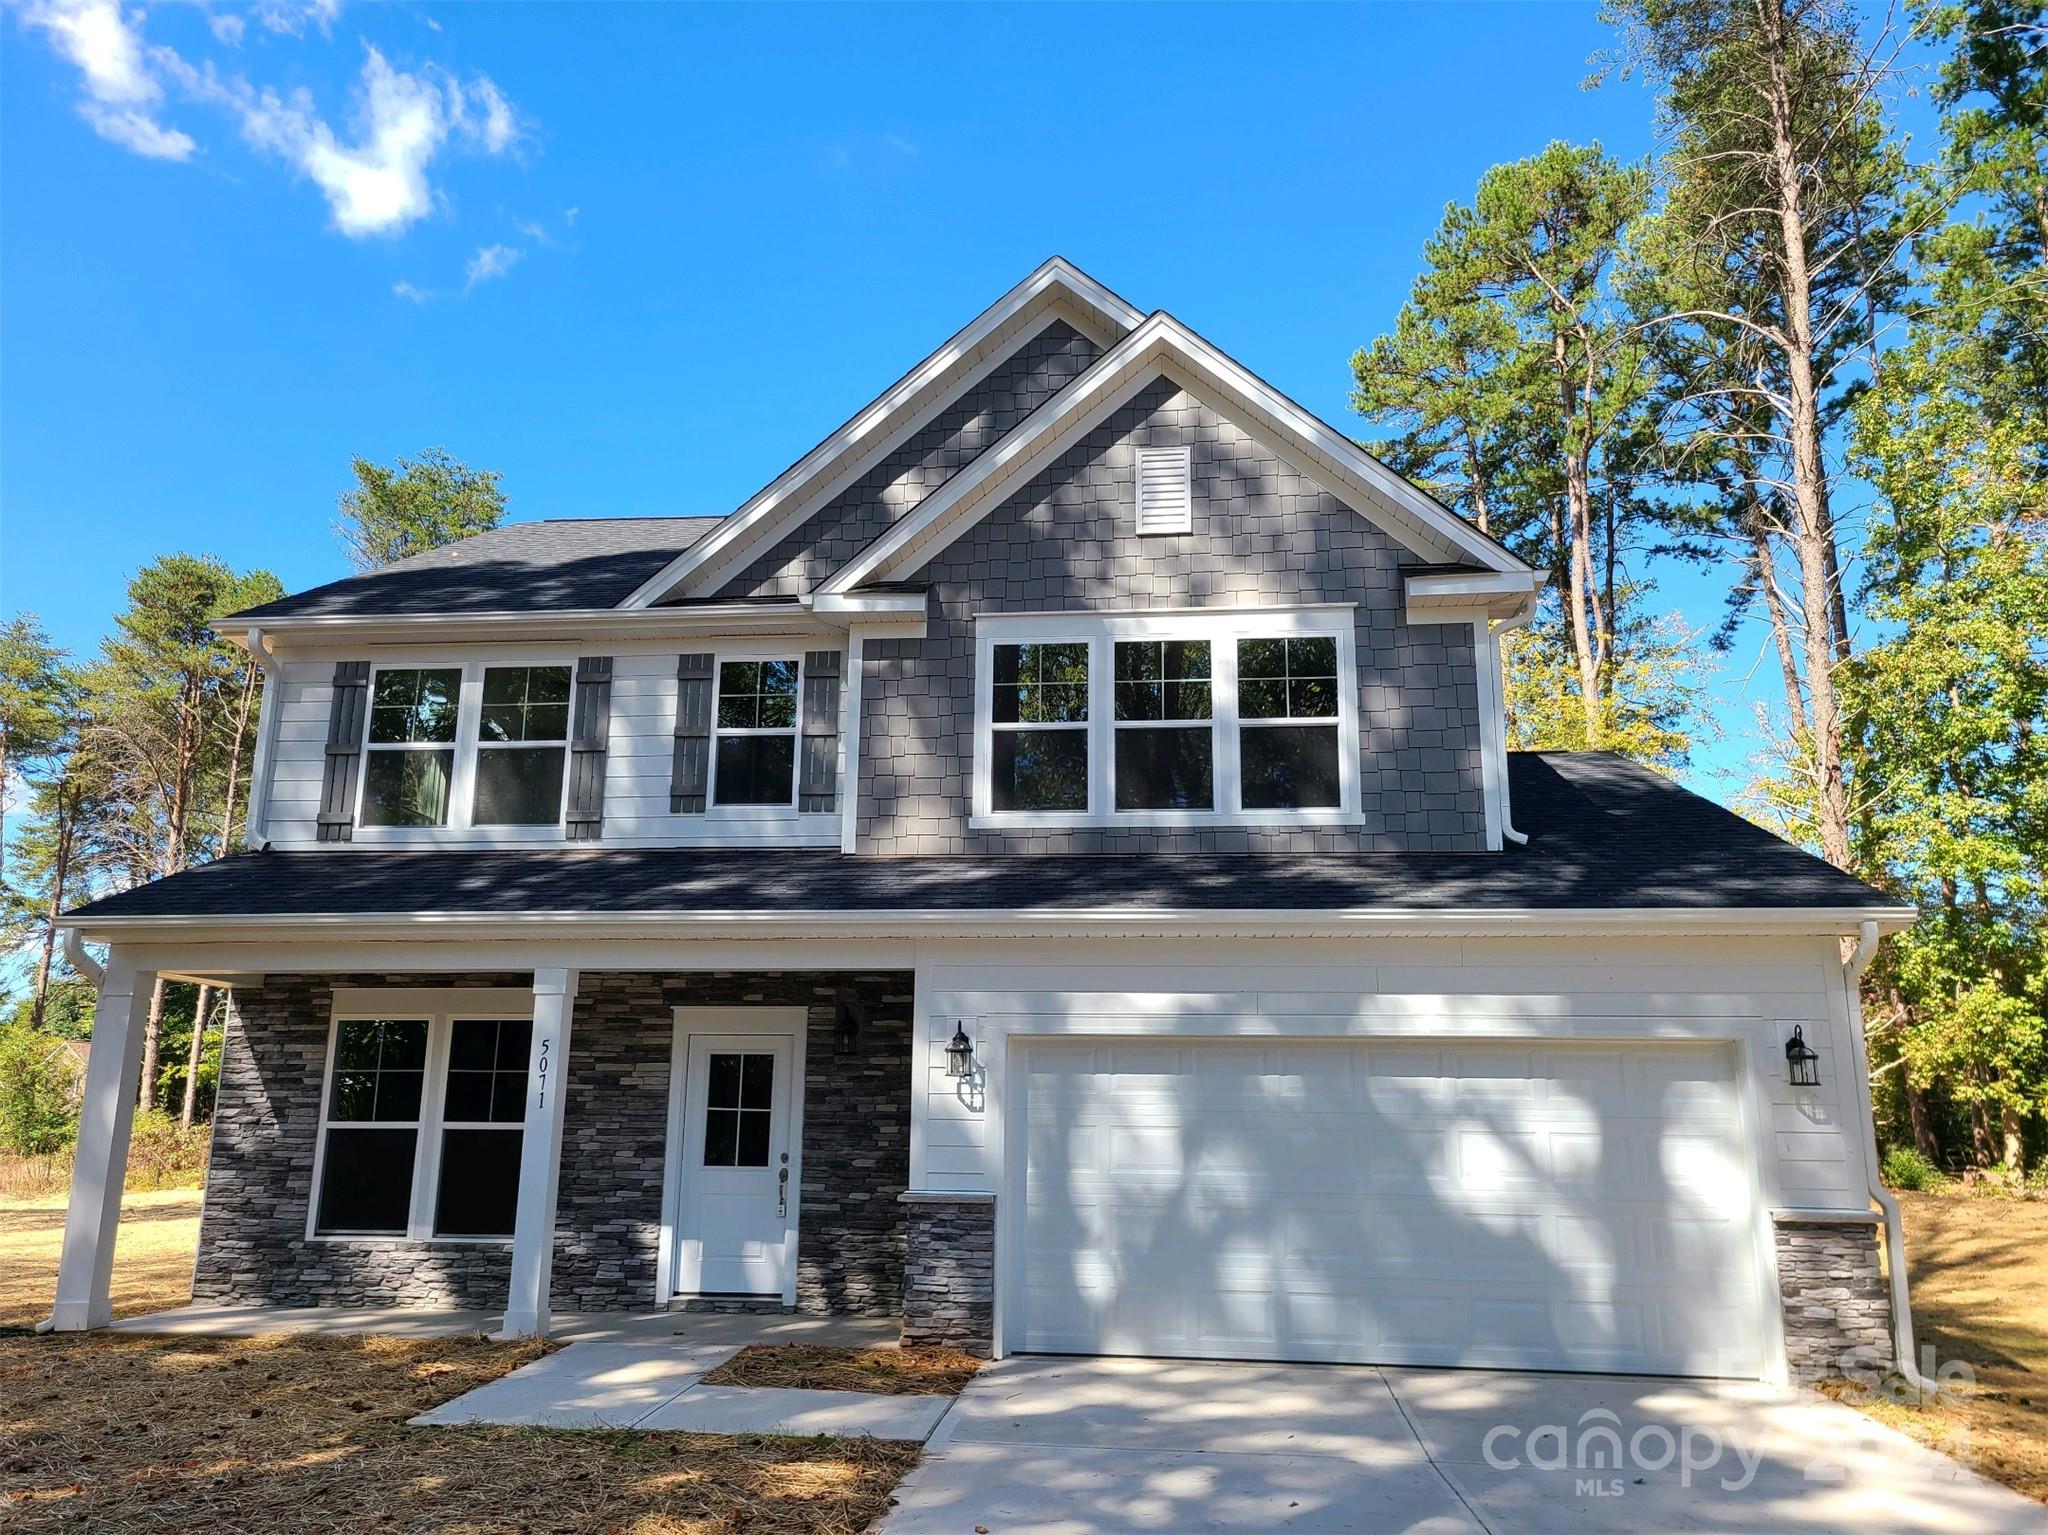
x,y
1655,710
39,1083
1512,383
1952,752
36,691
416,505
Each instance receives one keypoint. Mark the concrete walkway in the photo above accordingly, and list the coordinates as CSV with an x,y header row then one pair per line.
x,y
1093,1446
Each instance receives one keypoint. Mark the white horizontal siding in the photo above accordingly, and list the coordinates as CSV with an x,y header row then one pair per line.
x,y
638,763
1651,989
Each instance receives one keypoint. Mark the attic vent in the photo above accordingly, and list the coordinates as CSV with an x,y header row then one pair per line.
x,y
1166,502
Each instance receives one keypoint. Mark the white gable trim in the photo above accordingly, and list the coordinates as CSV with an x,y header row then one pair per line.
x,y
1056,290
1163,346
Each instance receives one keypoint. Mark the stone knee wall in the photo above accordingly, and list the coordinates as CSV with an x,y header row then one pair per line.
x,y
1836,1300
949,1276
253,1247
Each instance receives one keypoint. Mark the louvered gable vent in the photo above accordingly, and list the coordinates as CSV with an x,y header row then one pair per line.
x,y
1166,499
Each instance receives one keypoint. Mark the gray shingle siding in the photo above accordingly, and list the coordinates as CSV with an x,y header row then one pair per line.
x,y
1263,534
967,427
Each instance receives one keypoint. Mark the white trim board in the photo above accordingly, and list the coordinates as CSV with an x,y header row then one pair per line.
x,y
875,430
1163,346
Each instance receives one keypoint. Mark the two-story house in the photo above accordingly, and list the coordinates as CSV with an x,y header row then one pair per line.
x,y
1048,866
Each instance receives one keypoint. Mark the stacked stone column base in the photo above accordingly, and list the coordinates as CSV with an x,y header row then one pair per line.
x,y
949,1271
1838,1309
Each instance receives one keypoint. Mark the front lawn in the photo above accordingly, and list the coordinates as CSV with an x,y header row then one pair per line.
x,y
1979,1269
104,1431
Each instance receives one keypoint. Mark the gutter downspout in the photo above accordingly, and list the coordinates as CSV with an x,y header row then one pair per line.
x,y
256,826
81,960
1906,1356
1507,813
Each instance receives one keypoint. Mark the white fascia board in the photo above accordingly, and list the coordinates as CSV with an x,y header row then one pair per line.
x,y
1446,597
328,632
878,427
1060,923
1163,345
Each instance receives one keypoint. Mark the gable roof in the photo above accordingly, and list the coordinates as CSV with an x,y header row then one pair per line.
x,y
562,564
1056,288
1164,346
1605,836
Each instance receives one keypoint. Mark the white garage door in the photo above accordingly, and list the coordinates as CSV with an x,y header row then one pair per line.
x,y
1519,1205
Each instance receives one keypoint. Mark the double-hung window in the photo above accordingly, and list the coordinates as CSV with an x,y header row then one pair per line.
x,y
424,1114
1038,749
1214,717
466,746
754,762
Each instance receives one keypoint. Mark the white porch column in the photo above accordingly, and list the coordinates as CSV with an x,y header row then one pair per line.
x,y
540,1156
86,1269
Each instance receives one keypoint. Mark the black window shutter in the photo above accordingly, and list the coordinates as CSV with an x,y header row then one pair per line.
x,y
345,721
692,777
818,765
590,735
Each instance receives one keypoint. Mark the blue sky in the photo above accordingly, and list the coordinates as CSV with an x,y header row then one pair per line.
x,y
639,258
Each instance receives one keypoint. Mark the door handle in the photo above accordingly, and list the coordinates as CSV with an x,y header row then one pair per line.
x,y
782,1193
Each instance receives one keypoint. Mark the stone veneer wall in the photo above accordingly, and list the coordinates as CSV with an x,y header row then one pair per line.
x,y
1836,1301
937,451
253,1247
1263,534
949,1275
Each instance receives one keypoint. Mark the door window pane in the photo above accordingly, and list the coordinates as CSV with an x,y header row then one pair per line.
x,y
366,1181
739,1098
1289,767
479,1193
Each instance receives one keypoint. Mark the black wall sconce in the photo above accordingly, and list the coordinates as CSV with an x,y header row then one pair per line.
x,y
1801,1060
960,1053
846,1032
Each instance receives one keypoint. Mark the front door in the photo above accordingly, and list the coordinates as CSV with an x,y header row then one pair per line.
x,y
738,1197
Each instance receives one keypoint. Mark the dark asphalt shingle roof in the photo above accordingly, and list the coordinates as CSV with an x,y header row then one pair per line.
x,y
1603,834
542,567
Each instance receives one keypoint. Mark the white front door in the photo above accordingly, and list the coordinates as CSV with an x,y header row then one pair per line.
x,y
738,1191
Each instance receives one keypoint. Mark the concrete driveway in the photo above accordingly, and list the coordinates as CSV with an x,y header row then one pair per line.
x,y
1090,1446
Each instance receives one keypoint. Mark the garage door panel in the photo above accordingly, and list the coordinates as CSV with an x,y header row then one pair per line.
x,y
1508,1205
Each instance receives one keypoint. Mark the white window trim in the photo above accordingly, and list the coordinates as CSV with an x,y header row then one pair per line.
x,y
1185,522
1222,627
795,731
469,708
440,1008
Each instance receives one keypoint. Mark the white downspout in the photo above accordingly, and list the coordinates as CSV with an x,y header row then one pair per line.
x,y
1507,813
1907,1356
256,826
81,960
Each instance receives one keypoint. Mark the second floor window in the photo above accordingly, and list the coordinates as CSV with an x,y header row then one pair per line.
x,y
1165,739
1287,723
522,746
409,772
754,762
1038,758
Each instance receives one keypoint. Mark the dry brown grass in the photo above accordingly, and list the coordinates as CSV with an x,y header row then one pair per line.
x,y
152,1258
107,1432
885,1371
1979,1267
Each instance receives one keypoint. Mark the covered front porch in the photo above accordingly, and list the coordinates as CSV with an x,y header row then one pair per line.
x,y
447,1128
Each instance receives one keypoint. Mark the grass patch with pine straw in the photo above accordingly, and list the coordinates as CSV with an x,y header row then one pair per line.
x,y
884,1371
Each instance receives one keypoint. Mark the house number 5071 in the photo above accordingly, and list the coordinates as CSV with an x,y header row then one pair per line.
x,y
541,1070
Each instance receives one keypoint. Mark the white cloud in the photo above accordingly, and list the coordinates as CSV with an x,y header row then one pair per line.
x,y
490,261
290,18
408,292
497,130
121,95
376,184
227,27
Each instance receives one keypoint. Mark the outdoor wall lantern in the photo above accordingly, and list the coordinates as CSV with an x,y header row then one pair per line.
x,y
1800,1058
846,1035
960,1053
